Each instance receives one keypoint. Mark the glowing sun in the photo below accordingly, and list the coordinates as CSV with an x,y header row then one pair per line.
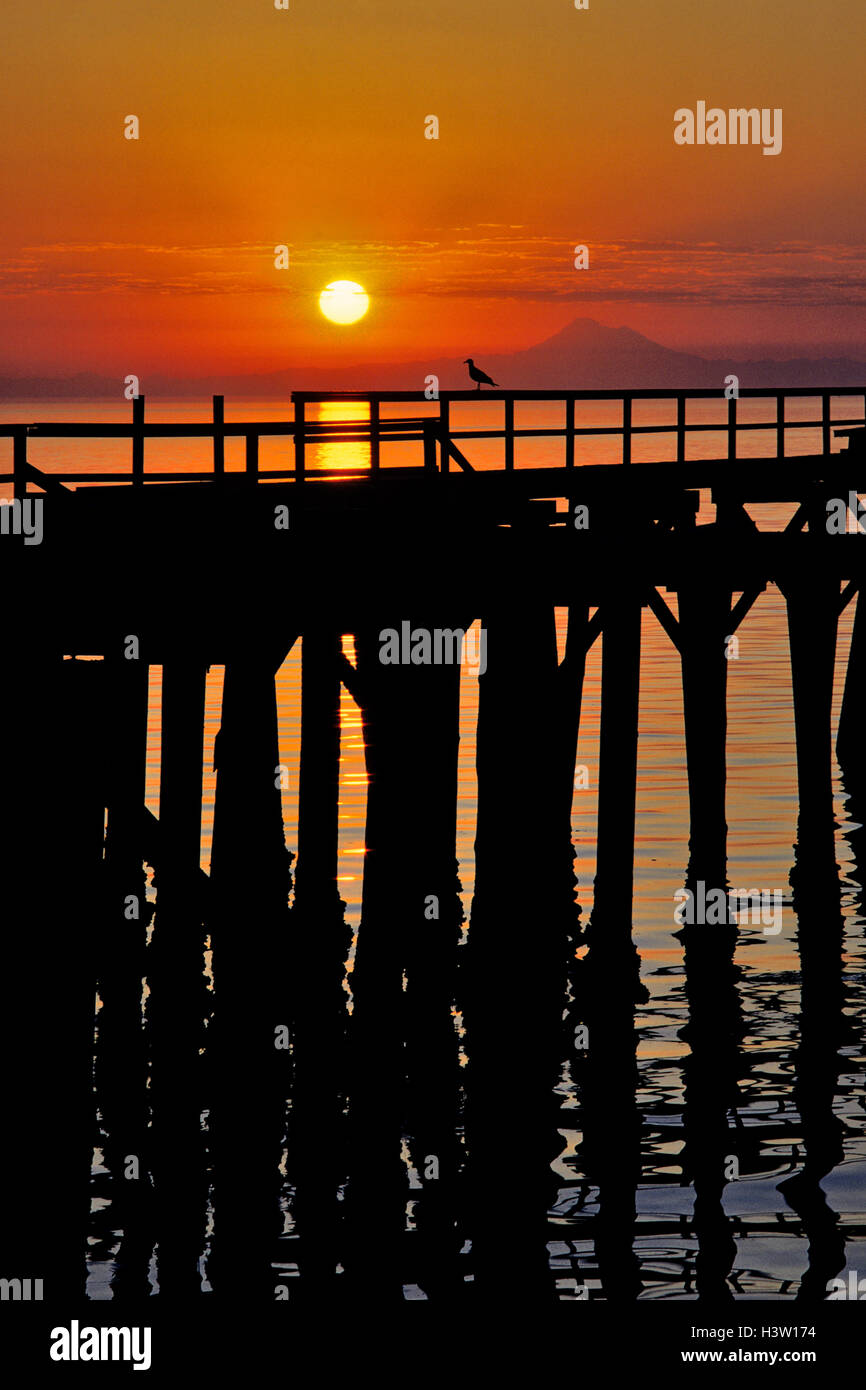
x,y
344,301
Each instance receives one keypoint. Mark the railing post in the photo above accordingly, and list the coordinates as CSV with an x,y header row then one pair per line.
x,y
732,428
374,435
780,424
19,462
299,439
429,435
444,432
219,442
681,428
137,441
252,457
626,429
509,432
825,422
569,432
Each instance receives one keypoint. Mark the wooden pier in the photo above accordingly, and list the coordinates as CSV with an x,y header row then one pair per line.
x,y
185,570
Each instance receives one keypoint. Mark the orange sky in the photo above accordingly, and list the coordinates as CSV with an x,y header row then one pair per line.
x,y
306,127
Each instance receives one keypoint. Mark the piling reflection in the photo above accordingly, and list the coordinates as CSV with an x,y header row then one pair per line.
x,y
823,1030
607,1078
713,1152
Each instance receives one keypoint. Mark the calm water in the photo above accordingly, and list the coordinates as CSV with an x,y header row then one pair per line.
x,y
771,1239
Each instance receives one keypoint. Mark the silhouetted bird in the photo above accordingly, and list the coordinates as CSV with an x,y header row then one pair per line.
x,y
477,374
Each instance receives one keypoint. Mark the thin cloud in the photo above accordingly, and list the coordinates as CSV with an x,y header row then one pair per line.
x,y
512,265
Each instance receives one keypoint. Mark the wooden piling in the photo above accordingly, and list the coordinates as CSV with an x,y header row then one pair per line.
x,y
176,975
704,621
319,784
520,939
572,672
319,947
430,955
180,790
121,1055
813,606
250,882
620,687
404,1044
78,801
850,738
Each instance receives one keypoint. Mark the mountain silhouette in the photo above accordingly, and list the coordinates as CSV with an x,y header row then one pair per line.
x,y
584,355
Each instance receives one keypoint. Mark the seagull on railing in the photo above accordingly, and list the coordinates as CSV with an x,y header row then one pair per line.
x,y
477,374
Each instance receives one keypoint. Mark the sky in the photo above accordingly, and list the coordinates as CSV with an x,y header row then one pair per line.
x,y
305,127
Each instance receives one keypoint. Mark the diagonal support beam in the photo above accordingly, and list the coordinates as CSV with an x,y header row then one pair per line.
x,y
665,616
851,588
44,480
799,519
594,628
459,457
811,509
743,604
578,645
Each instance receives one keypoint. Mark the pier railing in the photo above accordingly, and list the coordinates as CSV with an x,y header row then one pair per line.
x,y
436,433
